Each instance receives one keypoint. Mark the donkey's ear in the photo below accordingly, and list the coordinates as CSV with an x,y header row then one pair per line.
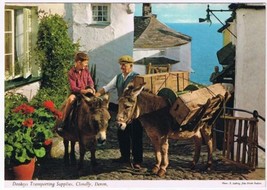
x,y
129,86
105,99
138,90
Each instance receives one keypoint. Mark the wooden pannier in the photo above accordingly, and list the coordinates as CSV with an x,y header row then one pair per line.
x,y
187,105
176,81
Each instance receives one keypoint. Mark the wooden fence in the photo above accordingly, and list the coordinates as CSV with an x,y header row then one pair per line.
x,y
240,145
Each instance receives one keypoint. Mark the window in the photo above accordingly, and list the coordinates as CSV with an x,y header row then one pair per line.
x,y
19,40
101,13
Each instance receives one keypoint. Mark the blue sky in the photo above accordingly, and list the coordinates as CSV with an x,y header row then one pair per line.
x,y
185,12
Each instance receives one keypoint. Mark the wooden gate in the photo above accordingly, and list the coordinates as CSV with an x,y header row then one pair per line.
x,y
240,145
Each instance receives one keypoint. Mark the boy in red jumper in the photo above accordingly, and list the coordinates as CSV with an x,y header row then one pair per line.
x,y
80,81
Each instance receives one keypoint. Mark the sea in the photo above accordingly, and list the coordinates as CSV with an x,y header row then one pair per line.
x,y
206,41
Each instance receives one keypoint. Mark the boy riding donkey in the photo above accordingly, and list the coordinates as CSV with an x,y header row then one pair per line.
x,y
80,81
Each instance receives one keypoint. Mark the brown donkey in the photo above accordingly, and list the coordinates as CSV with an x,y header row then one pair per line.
x,y
88,126
153,112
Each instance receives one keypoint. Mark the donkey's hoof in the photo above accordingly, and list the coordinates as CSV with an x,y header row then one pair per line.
x,y
161,172
155,170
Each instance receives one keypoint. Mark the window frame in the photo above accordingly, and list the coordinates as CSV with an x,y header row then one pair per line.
x,y
11,43
21,39
107,15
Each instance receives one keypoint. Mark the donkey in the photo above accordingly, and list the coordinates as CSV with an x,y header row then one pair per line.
x,y
153,113
87,125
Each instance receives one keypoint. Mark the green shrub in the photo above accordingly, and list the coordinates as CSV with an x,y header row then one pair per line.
x,y
55,51
56,95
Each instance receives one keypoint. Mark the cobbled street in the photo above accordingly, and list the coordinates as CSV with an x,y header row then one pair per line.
x,y
180,156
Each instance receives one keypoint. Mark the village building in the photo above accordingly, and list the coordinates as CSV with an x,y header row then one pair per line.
x,y
243,58
158,45
105,38
100,34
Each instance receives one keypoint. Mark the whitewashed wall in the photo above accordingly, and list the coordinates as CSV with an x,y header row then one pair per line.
x,y
104,44
250,79
180,53
29,90
139,53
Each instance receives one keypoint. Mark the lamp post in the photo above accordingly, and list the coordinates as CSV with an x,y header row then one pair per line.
x,y
209,20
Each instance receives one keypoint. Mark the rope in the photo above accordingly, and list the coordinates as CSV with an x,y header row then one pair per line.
x,y
198,84
163,83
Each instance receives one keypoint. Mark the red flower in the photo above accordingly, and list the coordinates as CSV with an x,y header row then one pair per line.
x,y
47,142
49,105
28,122
29,109
24,108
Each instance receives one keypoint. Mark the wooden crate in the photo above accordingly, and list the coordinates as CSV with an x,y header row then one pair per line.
x,y
187,105
176,81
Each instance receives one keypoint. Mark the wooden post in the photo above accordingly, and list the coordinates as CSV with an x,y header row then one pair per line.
x,y
229,140
244,137
238,148
232,133
225,137
250,143
148,68
256,142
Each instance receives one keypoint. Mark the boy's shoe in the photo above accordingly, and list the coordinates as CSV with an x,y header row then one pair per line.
x,y
137,166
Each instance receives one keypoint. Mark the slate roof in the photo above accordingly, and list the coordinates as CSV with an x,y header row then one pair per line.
x,y
151,33
155,61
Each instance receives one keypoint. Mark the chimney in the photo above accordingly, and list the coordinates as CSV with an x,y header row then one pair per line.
x,y
147,9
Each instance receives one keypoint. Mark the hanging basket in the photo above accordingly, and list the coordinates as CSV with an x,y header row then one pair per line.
x,y
24,171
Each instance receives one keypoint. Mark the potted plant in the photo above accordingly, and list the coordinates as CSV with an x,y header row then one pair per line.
x,y
27,131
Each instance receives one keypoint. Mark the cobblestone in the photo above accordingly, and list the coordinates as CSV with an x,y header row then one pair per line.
x,y
180,156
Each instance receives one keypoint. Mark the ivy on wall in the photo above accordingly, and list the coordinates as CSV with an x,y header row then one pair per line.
x,y
55,55
56,50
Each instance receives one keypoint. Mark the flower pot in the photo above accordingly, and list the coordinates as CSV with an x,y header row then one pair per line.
x,y
24,171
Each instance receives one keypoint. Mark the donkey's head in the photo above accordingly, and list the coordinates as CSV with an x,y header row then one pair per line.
x,y
98,116
128,109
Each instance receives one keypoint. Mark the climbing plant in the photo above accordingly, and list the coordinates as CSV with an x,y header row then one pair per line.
x,y
55,50
55,55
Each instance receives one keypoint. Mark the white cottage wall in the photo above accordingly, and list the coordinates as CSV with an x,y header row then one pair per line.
x,y
183,55
250,63
104,43
29,90
140,53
